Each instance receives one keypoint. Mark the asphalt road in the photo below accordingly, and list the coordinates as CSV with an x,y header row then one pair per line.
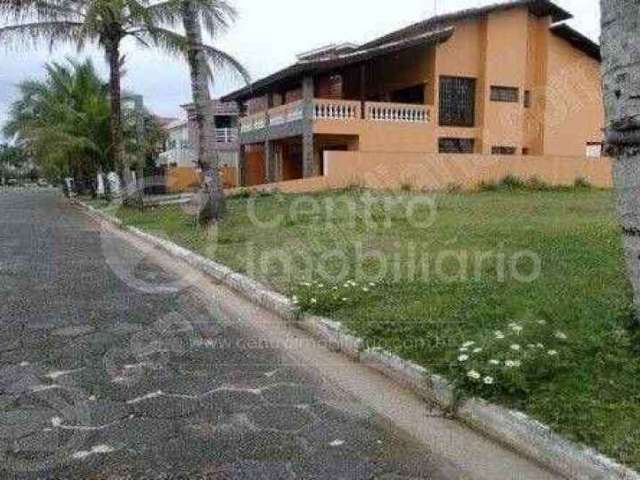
x,y
112,368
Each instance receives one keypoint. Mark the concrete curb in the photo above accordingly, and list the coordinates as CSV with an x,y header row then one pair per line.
x,y
536,441
333,335
432,388
513,429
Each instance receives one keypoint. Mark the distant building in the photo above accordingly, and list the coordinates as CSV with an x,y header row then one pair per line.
x,y
178,151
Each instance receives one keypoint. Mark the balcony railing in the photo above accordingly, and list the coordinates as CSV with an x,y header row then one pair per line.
x,y
339,110
336,110
226,135
253,122
289,112
397,112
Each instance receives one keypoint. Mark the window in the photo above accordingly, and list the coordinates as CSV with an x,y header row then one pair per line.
x,y
527,99
594,149
505,94
457,102
502,150
456,145
525,151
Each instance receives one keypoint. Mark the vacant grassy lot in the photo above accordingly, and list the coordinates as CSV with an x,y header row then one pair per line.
x,y
459,269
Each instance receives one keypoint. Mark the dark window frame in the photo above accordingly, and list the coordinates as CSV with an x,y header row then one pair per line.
x,y
456,145
457,101
503,150
527,99
504,94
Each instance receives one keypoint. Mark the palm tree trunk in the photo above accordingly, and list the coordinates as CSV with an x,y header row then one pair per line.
x,y
212,195
117,151
621,84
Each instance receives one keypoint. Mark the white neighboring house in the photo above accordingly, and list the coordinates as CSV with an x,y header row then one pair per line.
x,y
178,151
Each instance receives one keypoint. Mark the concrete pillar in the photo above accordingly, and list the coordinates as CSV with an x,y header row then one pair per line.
x,y
309,168
270,161
242,165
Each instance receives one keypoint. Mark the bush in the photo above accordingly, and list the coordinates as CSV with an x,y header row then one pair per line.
x,y
488,186
582,183
454,188
511,182
535,184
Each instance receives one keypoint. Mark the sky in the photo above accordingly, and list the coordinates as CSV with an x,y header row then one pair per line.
x,y
266,37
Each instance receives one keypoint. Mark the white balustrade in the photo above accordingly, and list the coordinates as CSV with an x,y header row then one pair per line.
x,y
336,110
226,135
397,112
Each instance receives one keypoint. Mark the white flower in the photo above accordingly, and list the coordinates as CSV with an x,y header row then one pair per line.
x,y
515,347
488,380
463,358
371,284
516,328
552,353
314,301
477,350
539,345
473,374
499,335
321,285
463,349
561,336
365,289
494,362
468,344
531,345
294,299
512,363
345,299
542,322
305,284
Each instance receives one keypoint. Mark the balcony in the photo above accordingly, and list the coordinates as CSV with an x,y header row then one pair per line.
x,y
338,110
226,135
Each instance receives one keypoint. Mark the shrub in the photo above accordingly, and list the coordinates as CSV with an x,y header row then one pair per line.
x,y
582,183
511,182
535,184
488,186
453,188
406,186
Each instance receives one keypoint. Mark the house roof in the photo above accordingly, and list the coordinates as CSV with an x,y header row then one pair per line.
x,y
431,31
325,64
179,123
578,40
540,8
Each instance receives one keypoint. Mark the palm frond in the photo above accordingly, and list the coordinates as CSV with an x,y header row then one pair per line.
x,y
36,32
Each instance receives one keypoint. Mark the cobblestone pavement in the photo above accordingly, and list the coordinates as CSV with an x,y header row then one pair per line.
x,y
103,377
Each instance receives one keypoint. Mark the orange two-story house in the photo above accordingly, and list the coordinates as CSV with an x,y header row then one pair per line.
x,y
509,79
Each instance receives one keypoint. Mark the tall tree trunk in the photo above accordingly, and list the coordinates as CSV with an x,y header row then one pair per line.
x,y
212,195
621,85
117,151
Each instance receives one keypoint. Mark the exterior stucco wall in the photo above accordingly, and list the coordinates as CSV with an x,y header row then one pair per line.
x,y
574,106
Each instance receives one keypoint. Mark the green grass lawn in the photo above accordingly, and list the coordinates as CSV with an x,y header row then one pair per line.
x,y
445,286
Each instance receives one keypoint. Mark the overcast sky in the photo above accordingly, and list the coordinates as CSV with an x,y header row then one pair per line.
x,y
266,37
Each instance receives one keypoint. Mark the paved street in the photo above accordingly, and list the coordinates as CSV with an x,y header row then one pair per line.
x,y
101,377
119,363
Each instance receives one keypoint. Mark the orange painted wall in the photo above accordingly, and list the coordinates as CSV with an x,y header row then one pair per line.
x,y
186,179
574,108
438,172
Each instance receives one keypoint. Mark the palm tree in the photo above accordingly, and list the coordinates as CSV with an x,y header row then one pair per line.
x,y
621,83
63,120
215,16
103,22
